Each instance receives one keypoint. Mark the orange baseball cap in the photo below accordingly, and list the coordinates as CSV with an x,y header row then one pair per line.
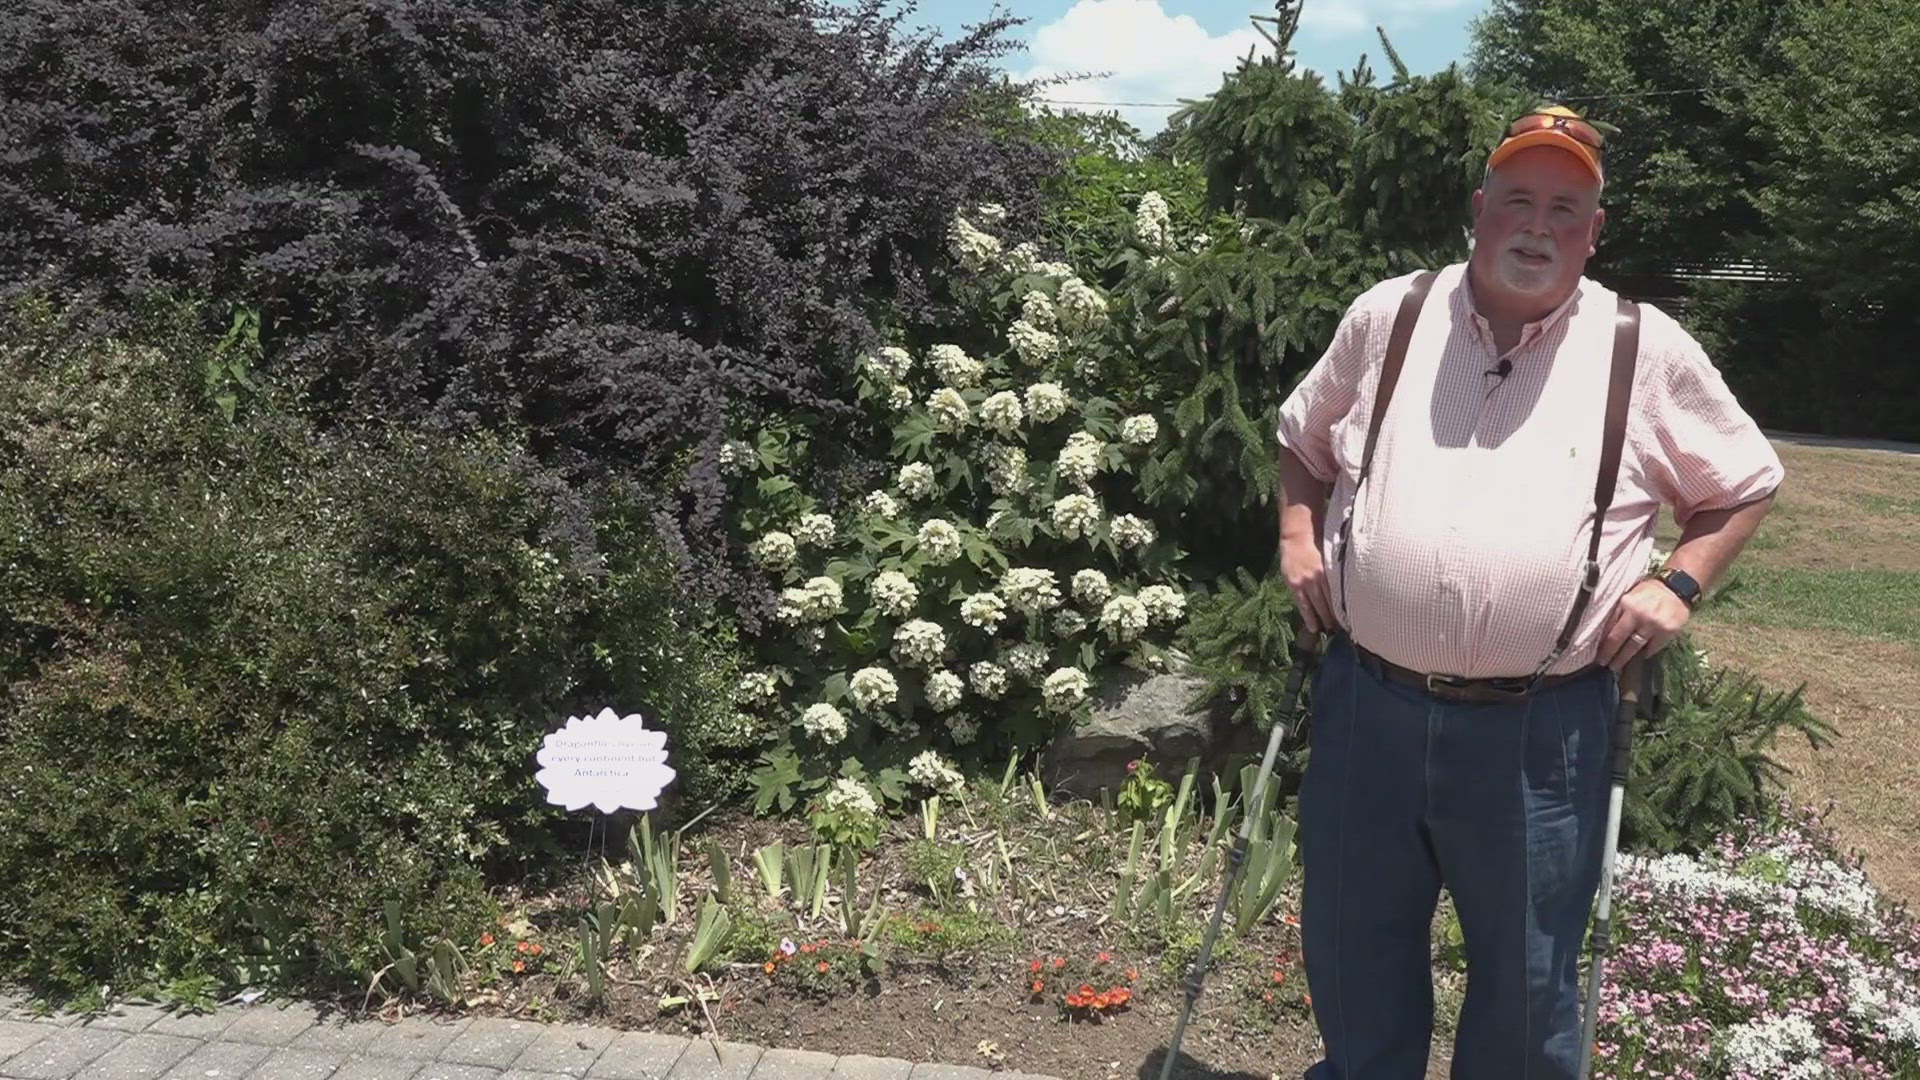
x,y
1556,126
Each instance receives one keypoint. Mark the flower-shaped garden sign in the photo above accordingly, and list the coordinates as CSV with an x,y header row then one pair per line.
x,y
607,761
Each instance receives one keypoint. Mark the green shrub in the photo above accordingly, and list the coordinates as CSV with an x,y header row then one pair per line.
x,y
261,678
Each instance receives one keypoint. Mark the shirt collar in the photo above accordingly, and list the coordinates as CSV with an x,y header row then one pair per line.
x,y
1463,308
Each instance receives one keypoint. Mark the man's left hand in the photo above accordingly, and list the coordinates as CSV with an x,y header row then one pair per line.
x,y
1644,622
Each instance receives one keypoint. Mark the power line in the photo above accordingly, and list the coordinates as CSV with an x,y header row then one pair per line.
x,y
1587,97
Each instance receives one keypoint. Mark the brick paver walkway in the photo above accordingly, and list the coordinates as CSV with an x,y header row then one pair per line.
x,y
295,1041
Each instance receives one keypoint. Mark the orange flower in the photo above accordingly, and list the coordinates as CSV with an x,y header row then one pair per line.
x,y
485,940
1267,997
768,966
1075,1001
1059,962
1086,990
1308,999
822,968
1279,976
1035,966
1133,974
522,947
1120,995
807,948
1100,1001
536,949
519,966
1038,986
1290,920
1103,958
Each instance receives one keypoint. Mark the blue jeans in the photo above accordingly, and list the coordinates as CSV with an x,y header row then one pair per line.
x,y
1504,804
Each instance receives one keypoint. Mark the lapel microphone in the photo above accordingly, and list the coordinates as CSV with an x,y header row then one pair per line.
x,y
1501,370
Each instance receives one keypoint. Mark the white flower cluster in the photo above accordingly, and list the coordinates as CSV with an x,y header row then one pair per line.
x,y
1682,875
1046,402
919,643
899,398
757,688
1081,310
1026,659
881,503
1832,888
1080,458
1068,622
1058,271
1152,221
1065,688
815,530
1022,258
849,794
984,610
889,365
963,728
939,541
988,679
737,458
1029,589
915,480
992,213
1002,412
872,687
893,592
1875,998
775,550
1037,310
1164,603
818,599
1076,516
1776,1046
973,249
954,366
1087,366
929,769
1036,347
1139,430
1123,618
949,410
943,690
824,722
1129,531
1090,587
1007,469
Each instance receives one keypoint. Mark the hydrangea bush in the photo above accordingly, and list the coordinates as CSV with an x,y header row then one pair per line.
x,y
1769,956
972,605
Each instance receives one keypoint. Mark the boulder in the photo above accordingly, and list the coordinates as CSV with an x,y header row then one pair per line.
x,y
1137,715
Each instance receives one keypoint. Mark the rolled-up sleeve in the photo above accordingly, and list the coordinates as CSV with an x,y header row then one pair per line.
x,y
1708,453
1326,395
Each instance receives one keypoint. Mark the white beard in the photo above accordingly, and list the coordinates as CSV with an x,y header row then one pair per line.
x,y
1525,279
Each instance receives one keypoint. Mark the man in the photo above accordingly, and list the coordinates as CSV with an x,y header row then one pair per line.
x,y
1463,554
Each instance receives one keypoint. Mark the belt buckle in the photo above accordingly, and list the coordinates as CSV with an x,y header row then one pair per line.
x,y
1437,683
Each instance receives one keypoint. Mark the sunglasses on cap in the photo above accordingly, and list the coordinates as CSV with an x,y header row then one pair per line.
x,y
1578,129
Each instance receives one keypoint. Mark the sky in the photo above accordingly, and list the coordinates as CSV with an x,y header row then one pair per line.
x,y
1165,50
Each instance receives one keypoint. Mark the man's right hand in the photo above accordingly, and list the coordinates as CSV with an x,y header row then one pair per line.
x,y
1306,574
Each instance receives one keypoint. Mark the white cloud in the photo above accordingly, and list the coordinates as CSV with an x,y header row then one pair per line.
x,y
1141,54
1346,18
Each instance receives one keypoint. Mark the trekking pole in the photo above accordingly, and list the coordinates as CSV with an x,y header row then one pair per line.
x,y
1237,856
1641,671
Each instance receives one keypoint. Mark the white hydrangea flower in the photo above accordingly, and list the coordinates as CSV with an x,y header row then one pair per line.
x,y
881,503
992,213
1065,688
793,606
1079,460
973,249
1007,469
940,541
1036,346
1164,603
943,690
1029,589
1068,622
963,728
1139,430
915,480
824,722
816,530
889,364
928,768
1087,366
850,794
1046,402
811,637
1002,412
1022,258
872,687
737,457
1026,659
1076,516
1090,587
893,592
1129,531
899,398
757,688
949,410
823,598
984,610
1153,221
919,643
775,550
1081,310
1058,271
954,367
1123,618
988,679
1037,310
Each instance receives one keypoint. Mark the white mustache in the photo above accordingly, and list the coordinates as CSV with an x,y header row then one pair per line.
x,y
1538,253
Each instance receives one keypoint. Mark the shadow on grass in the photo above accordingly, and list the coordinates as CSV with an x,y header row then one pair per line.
x,y
1188,1068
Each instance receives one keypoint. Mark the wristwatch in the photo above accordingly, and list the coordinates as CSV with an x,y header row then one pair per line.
x,y
1681,583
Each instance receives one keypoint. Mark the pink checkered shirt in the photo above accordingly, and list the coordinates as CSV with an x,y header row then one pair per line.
x,y
1470,540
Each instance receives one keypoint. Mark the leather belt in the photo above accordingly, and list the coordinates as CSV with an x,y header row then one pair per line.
x,y
1454,688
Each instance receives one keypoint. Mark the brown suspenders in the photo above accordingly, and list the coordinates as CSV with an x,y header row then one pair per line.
x,y
1626,350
